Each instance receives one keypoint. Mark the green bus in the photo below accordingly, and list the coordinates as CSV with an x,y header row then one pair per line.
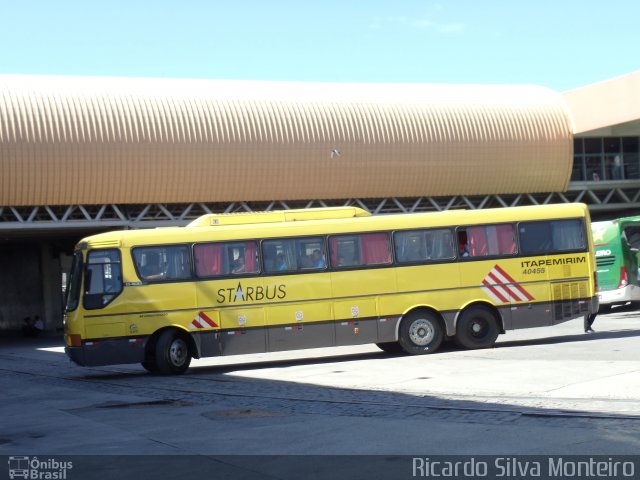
x,y
617,243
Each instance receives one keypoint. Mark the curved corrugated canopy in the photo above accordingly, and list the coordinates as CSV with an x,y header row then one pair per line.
x,y
71,140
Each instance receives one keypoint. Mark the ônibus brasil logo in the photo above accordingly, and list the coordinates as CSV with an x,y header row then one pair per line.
x,y
37,469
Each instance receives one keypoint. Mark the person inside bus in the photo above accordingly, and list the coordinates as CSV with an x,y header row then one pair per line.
x,y
463,244
238,265
281,264
318,259
152,270
463,249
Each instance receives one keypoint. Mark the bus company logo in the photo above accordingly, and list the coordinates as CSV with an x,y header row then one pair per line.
x,y
36,469
501,287
251,294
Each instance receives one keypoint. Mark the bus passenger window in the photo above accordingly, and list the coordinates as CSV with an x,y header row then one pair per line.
x,y
170,262
279,255
423,245
208,259
487,240
633,236
225,258
362,249
344,251
311,254
375,249
549,236
152,268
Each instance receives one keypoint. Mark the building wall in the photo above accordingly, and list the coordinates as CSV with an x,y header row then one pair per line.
x,y
21,293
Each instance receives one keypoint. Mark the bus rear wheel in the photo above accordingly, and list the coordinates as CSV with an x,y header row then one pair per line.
x,y
477,328
420,333
172,353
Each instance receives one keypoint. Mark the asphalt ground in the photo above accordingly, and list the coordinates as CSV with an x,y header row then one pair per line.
x,y
544,391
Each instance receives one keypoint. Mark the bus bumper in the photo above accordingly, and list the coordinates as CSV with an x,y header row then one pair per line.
x,y
619,296
93,353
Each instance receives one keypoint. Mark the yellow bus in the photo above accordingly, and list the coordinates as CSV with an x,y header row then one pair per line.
x,y
271,281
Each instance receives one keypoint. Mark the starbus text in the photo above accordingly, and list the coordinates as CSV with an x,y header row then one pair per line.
x,y
250,294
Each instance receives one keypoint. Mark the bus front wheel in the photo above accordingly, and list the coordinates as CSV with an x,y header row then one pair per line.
x,y
477,328
172,353
420,333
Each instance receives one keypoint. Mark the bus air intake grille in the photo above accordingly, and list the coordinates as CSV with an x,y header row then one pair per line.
x,y
569,300
605,261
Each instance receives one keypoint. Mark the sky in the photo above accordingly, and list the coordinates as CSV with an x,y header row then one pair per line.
x,y
559,44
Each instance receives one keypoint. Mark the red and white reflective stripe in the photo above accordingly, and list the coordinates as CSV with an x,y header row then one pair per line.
x,y
500,286
202,321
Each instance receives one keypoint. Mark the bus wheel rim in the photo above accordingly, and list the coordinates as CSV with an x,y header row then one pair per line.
x,y
178,352
421,332
478,328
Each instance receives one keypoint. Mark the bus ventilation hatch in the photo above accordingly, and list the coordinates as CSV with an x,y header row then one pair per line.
x,y
570,300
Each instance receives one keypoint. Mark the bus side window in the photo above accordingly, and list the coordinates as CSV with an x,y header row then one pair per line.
x,y
478,246
547,236
439,244
568,235
424,245
375,248
243,257
208,259
633,237
487,240
310,253
279,255
410,246
225,258
361,249
170,262
343,251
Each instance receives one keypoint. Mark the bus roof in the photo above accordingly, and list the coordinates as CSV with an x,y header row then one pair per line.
x,y
322,221
617,222
294,215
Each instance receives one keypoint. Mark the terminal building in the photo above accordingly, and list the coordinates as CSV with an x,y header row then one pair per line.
x,y
84,155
